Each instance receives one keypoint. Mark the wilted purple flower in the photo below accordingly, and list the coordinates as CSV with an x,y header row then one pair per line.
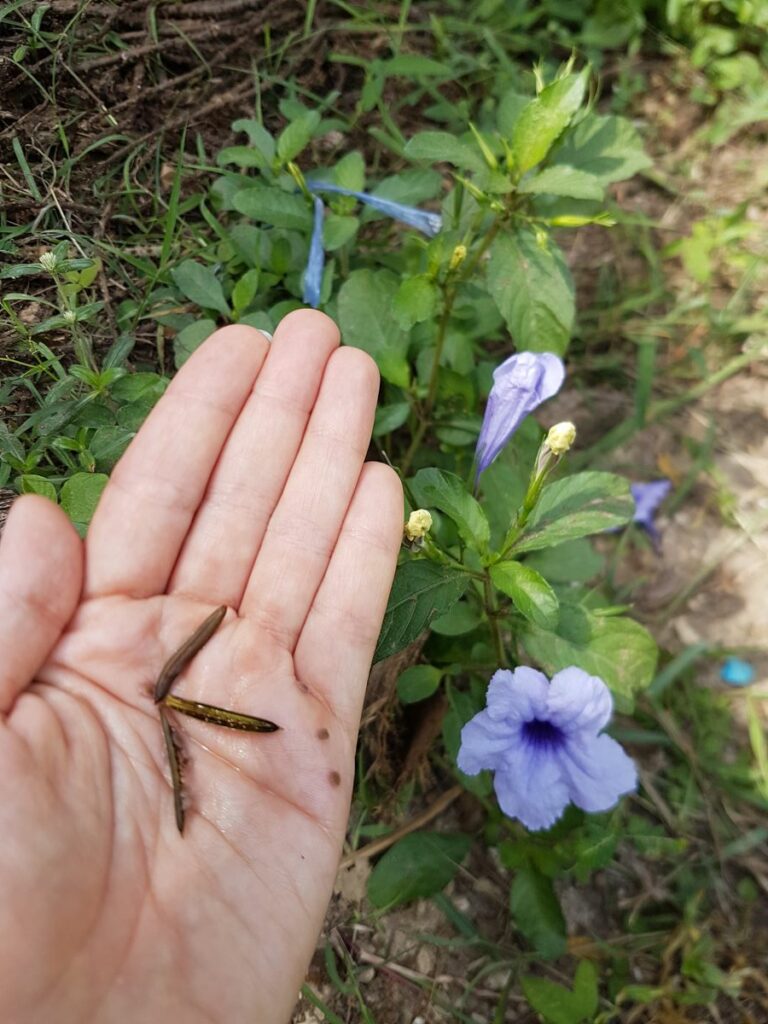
x,y
423,220
542,740
648,497
313,275
520,384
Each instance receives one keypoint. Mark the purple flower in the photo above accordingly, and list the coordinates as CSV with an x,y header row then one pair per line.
x,y
424,221
313,275
648,497
520,384
542,740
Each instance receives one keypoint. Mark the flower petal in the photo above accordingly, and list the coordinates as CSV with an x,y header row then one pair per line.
x,y
423,220
520,384
597,771
531,787
485,743
578,702
313,275
648,497
517,696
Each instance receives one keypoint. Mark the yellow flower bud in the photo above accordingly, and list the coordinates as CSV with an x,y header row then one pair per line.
x,y
418,525
561,437
458,256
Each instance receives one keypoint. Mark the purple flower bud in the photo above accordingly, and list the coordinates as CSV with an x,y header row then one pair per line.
x,y
313,275
543,741
520,385
648,497
428,223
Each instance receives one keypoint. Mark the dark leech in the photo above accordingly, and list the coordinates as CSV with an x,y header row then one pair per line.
x,y
219,716
178,661
335,778
175,761
323,734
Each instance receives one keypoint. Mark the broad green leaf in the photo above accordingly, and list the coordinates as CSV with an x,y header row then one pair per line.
x,y
258,136
585,989
536,912
461,619
417,683
564,181
544,119
420,865
338,230
575,561
609,148
421,592
10,444
31,483
447,492
510,108
577,506
273,206
390,417
618,650
135,386
560,1005
189,338
107,445
410,187
244,291
531,594
80,496
297,135
416,301
200,284
367,321
414,65
349,172
532,287
444,148
241,156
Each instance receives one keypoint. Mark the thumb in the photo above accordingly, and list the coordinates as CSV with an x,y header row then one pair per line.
x,y
41,576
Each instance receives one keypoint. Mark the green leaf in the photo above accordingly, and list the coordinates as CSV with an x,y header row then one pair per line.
x,y
30,483
190,338
532,287
200,284
244,291
258,136
445,148
618,650
411,187
80,496
242,156
366,318
273,206
297,135
564,181
421,592
609,148
135,386
338,230
560,1005
10,444
446,491
108,444
585,989
349,172
461,619
575,561
390,417
417,683
416,301
531,594
420,865
576,507
545,118
536,912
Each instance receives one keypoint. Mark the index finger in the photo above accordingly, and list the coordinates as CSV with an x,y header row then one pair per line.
x,y
150,501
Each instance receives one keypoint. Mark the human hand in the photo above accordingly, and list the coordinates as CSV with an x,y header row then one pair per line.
x,y
245,487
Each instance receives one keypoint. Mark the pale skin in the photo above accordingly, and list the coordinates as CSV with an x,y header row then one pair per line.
x,y
245,487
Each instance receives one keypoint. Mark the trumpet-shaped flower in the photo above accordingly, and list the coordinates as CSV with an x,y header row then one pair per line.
x,y
520,384
313,275
423,220
648,497
543,742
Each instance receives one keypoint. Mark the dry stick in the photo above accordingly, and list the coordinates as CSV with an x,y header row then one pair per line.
x,y
379,845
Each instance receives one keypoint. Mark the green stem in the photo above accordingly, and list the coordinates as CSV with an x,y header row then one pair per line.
x,y
492,612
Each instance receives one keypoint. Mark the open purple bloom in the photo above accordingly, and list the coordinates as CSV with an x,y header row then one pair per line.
x,y
542,741
313,275
423,220
520,384
648,497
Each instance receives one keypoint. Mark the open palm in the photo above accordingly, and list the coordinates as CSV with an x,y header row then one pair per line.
x,y
245,487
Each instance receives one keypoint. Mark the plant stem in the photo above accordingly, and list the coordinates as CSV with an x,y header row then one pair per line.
x,y
492,612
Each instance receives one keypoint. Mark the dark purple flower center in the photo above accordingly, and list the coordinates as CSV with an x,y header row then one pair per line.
x,y
542,734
